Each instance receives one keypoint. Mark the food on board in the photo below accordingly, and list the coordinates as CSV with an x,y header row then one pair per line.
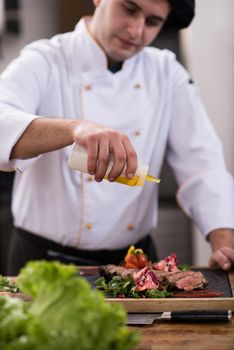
x,y
170,263
135,258
145,279
165,276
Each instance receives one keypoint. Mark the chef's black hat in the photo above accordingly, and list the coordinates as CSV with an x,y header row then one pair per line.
x,y
181,15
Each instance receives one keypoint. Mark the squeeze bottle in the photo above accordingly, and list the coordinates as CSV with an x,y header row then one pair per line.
x,y
78,160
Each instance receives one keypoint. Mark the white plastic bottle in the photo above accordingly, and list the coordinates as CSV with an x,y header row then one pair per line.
x,y
78,160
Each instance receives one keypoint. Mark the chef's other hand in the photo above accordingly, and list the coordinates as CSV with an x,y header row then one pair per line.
x,y
222,242
104,145
223,257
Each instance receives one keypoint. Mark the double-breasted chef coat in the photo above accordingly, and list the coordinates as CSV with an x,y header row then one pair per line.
x,y
151,99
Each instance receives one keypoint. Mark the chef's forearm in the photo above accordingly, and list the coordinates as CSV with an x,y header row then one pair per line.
x,y
221,238
44,135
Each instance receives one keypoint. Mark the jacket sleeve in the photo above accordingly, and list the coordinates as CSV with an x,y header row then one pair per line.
x,y
206,188
22,86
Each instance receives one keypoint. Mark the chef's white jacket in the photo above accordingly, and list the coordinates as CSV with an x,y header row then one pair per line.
x,y
152,100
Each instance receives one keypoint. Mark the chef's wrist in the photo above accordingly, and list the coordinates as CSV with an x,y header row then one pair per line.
x,y
72,126
221,238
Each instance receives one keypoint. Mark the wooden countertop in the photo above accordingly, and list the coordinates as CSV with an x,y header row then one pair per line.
x,y
186,336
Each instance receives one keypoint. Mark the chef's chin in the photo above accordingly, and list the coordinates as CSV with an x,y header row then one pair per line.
x,y
121,55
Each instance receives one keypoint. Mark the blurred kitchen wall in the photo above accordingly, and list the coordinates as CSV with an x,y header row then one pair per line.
x,y
38,19
2,15
208,48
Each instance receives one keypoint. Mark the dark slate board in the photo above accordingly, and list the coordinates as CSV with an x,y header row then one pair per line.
x,y
218,280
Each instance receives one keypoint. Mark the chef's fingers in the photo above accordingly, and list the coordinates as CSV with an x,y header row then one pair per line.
x,y
92,151
229,254
119,157
131,164
221,259
103,159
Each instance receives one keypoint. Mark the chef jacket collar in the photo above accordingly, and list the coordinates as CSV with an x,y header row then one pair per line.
x,y
93,58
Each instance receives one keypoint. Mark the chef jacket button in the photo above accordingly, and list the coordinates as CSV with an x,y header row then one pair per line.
x,y
90,178
88,87
137,133
89,226
130,227
137,86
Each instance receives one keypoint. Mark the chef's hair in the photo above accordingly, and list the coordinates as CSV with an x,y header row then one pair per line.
x,y
181,15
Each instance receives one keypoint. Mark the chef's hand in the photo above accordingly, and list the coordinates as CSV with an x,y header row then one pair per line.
x,y
222,243
104,145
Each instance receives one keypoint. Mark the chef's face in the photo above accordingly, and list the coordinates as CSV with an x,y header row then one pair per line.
x,y
123,27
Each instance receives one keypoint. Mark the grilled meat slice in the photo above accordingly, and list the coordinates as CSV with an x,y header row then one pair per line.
x,y
110,271
192,280
162,275
183,280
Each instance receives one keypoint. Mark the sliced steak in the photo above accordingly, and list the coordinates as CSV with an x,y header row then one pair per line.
x,y
110,271
182,280
188,280
193,280
176,276
162,275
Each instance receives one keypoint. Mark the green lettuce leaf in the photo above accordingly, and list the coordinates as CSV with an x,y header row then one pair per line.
x,y
64,314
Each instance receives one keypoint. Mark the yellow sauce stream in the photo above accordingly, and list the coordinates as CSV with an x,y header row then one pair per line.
x,y
133,181
151,178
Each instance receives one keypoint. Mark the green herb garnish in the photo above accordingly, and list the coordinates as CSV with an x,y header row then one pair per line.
x,y
125,288
184,267
7,285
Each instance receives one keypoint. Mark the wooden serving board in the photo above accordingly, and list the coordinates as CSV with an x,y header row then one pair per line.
x,y
219,280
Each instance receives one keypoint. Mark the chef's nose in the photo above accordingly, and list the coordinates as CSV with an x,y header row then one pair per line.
x,y
136,27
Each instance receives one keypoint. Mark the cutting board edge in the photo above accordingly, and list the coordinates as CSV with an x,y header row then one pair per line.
x,y
176,304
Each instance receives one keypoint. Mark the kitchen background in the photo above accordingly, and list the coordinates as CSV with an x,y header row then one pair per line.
x,y
206,49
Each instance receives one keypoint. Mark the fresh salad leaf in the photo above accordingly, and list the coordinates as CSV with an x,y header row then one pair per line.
x,y
37,275
13,318
155,293
184,267
125,288
64,314
7,285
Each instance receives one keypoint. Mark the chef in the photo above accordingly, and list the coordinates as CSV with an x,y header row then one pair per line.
x,y
103,88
